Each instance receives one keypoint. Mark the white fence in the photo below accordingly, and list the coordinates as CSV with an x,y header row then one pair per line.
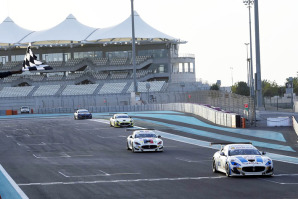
x,y
295,125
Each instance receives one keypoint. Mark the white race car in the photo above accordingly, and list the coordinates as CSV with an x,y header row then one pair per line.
x,y
240,160
121,120
144,140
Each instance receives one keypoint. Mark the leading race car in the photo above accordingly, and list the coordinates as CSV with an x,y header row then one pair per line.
x,y
144,140
121,120
82,114
240,160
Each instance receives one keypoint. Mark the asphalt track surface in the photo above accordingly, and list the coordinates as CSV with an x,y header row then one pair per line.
x,y
59,157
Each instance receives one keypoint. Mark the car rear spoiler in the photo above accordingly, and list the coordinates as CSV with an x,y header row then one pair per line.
x,y
226,143
116,113
136,129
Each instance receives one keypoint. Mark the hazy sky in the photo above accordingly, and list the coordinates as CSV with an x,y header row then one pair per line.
x,y
215,30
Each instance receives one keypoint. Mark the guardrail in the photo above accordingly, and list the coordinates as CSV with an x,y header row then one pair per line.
x,y
295,125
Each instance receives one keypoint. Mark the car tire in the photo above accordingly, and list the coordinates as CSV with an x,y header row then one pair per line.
x,y
132,148
227,170
127,147
214,167
111,124
74,117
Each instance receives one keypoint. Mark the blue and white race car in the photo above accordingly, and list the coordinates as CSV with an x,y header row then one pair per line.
x,y
144,140
240,160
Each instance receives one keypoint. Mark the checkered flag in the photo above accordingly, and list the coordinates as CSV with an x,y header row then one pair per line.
x,y
31,63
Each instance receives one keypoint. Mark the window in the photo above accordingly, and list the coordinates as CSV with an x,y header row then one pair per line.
x,y
186,67
17,57
180,67
191,68
52,57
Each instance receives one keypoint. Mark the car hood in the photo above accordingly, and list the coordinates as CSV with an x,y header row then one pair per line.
x,y
250,159
148,140
123,119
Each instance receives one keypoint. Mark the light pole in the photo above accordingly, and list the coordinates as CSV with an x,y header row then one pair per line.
x,y
249,4
247,60
258,60
133,48
232,74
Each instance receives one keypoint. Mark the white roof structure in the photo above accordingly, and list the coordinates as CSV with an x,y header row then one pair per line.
x,y
70,30
123,32
11,33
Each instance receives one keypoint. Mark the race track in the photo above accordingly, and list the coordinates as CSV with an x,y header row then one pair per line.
x,y
55,156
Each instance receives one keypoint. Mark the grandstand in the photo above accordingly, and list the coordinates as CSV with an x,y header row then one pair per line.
x,y
93,61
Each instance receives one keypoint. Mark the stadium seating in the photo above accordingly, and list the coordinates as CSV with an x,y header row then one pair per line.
x,y
86,89
46,90
72,76
55,78
118,61
10,78
100,75
10,65
73,62
16,91
155,86
100,61
118,75
112,88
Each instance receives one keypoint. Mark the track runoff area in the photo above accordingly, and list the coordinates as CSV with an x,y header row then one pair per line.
x,y
55,156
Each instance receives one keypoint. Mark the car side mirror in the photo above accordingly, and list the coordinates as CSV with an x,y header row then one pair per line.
x,y
263,153
130,136
159,136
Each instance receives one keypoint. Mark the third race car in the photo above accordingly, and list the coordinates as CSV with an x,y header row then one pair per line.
x,y
121,120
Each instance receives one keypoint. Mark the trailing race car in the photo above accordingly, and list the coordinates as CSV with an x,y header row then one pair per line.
x,y
82,114
241,159
144,140
121,120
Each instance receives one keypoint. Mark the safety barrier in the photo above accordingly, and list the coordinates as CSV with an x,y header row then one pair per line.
x,y
295,125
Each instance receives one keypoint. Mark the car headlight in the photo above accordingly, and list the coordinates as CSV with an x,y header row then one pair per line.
x,y
159,142
137,143
235,164
268,163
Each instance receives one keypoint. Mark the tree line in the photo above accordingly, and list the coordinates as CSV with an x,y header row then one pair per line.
x,y
269,88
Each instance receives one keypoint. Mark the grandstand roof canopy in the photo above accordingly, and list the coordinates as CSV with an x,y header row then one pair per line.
x,y
11,33
122,32
72,31
65,32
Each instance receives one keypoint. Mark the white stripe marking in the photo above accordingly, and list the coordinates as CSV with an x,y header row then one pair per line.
x,y
121,181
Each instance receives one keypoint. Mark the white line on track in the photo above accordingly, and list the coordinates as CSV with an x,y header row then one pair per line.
x,y
186,160
94,175
62,155
122,181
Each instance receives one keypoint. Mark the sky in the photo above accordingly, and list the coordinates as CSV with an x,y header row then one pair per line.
x,y
215,30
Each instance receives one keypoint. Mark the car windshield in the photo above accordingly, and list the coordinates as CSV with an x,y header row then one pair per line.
x,y
25,107
149,135
244,152
122,116
83,112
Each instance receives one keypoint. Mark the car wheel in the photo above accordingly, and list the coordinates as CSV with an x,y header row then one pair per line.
x,y
132,148
214,167
127,147
227,170
111,124
74,117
